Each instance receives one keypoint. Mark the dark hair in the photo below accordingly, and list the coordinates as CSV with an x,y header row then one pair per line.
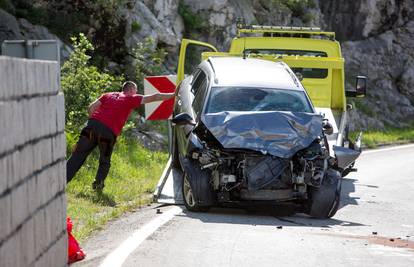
x,y
128,85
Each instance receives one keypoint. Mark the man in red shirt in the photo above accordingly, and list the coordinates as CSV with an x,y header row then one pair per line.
x,y
107,117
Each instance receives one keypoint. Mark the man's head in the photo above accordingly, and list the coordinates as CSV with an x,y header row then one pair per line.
x,y
129,88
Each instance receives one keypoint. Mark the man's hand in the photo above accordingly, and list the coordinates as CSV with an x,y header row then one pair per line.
x,y
93,107
156,97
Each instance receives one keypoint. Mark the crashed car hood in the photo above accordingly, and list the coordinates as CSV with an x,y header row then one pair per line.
x,y
280,134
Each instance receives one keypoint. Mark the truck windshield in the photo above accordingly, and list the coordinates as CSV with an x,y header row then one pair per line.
x,y
256,99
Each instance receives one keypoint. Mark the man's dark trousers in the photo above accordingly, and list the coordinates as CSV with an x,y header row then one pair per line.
x,y
94,134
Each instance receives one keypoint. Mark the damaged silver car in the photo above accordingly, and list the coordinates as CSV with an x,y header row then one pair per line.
x,y
245,131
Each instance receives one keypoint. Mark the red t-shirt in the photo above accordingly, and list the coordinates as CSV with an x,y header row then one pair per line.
x,y
115,108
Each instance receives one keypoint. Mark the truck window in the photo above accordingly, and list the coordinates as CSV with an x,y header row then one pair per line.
x,y
313,73
287,52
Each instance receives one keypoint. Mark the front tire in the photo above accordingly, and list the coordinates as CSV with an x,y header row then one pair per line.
x,y
188,196
324,201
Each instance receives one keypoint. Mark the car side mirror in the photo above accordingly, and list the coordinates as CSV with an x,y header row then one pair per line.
x,y
183,119
360,87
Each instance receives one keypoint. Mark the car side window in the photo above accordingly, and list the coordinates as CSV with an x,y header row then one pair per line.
x,y
199,97
198,81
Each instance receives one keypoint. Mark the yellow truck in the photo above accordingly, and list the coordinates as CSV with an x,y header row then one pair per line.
x,y
313,55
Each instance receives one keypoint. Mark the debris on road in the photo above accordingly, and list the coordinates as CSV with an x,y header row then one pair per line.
x,y
378,240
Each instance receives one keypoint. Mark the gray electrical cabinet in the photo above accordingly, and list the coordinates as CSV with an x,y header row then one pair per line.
x,y
33,49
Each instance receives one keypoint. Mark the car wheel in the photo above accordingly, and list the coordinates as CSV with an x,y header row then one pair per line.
x,y
188,196
324,201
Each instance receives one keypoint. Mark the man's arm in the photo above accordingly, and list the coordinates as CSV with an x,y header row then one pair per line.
x,y
156,97
93,107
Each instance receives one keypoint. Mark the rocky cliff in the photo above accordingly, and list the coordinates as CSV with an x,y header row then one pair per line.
x,y
377,37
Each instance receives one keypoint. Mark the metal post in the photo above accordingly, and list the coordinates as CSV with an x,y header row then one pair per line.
x,y
170,141
29,49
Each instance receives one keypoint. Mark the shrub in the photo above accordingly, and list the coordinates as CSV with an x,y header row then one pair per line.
x,y
7,6
135,26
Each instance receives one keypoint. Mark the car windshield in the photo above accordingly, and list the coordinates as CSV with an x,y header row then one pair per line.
x,y
256,99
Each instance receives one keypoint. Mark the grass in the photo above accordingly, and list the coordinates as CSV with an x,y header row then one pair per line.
x,y
132,178
373,139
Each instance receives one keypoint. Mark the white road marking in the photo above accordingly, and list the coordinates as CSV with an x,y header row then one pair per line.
x,y
121,253
391,251
387,149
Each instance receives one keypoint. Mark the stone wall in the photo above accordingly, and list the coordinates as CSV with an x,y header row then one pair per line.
x,y
32,164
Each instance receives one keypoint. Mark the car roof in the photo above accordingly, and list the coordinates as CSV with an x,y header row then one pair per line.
x,y
252,72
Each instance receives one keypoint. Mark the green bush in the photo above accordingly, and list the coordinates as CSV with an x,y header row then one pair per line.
x,y
82,83
135,26
7,6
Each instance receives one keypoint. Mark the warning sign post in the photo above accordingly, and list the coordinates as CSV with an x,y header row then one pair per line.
x,y
160,110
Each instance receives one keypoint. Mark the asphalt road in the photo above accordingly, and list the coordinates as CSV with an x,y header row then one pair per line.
x,y
374,227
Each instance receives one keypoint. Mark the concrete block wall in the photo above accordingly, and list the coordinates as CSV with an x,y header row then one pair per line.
x,y
32,164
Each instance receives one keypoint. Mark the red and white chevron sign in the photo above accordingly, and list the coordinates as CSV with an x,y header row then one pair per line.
x,y
160,110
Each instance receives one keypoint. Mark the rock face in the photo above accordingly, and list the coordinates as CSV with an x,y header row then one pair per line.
x,y
141,22
381,47
217,19
377,37
359,19
147,26
388,61
9,27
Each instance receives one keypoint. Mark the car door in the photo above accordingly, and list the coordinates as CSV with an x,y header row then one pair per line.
x,y
191,102
190,51
189,59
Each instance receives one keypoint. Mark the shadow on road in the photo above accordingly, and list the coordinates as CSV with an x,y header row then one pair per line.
x,y
348,187
283,215
269,217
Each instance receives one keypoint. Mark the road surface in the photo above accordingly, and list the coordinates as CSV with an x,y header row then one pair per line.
x,y
374,227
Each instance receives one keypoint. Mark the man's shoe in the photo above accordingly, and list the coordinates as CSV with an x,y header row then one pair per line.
x,y
98,186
